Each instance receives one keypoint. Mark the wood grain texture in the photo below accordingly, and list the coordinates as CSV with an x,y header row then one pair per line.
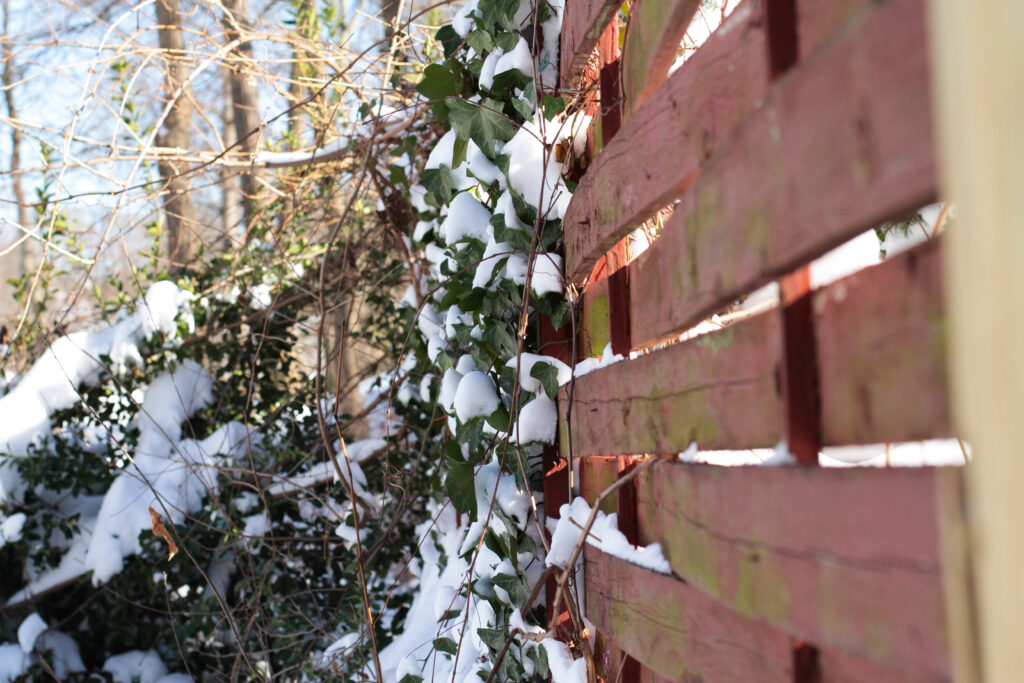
x,y
677,631
848,559
881,341
582,25
597,474
653,34
660,149
818,22
719,390
979,56
843,143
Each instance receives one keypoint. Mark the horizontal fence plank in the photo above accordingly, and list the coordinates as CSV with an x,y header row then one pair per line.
x,y
582,25
653,34
720,390
818,21
881,342
843,143
660,149
848,559
678,631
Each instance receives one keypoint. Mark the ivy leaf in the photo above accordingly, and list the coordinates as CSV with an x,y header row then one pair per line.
x,y
446,645
494,638
524,107
553,106
506,81
461,487
548,376
499,420
480,41
459,151
438,181
482,123
438,83
451,40
558,315
499,339
507,40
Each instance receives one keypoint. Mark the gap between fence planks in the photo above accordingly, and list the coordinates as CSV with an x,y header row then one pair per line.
x,y
845,558
690,114
841,145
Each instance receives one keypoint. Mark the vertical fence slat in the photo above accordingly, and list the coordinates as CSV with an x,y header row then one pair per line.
x,y
979,58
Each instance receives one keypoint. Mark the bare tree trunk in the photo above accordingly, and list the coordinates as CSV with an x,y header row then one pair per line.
x,y
245,99
178,206
231,198
24,213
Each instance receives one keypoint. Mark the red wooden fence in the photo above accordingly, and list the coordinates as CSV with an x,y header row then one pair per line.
x,y
798,125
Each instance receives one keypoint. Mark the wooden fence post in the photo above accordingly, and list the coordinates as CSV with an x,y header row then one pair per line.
x,y
978,62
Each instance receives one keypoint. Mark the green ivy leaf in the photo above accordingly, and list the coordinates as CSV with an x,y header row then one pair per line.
x,y
438,181
507,40
505,83
553,106
446,645
459,152
499,420
499,339
548,376
449,39
480,40
461,488
482,123
438,83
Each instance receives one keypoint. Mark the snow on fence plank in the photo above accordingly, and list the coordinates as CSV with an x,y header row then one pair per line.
x,y
676,630
843,143
660,149
652,42
582,25
719,390
849,559
881,347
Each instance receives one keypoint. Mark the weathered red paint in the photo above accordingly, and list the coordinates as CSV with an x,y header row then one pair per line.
x,y
655,29
660,149
678,631
719,390
843,143
582,25
818,22
882,352
847,559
